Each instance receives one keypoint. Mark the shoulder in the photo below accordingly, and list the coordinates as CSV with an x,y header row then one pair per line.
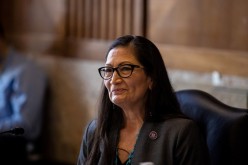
x,y
91,126
187,126
176,127
178,122
183,127
90,130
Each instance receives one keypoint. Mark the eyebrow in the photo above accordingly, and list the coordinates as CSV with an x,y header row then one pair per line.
x,y
122,63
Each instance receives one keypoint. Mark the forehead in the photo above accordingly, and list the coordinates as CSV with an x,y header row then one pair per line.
x,y
121,54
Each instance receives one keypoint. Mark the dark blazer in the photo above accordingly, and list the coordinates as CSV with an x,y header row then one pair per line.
x,y
175,141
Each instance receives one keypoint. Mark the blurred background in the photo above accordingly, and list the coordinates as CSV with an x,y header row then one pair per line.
x,y
204,45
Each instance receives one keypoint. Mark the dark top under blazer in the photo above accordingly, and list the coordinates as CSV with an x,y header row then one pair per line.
x,y
175,141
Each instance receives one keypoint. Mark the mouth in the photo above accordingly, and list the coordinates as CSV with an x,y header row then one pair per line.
x,y
118,91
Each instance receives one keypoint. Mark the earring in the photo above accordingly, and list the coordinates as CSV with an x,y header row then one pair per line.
x,y
150,86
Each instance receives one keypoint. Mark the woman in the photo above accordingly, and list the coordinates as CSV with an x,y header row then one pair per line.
x,y
139,117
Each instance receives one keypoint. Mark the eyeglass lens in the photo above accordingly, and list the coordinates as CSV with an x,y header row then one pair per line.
x,y
123,71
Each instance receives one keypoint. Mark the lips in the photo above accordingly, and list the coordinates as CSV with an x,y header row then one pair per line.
x,y
118,91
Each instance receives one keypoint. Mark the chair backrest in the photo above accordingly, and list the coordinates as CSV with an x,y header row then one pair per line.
x,y
225,127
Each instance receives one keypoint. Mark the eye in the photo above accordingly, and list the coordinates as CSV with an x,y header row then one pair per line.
x,y
125,68
107,69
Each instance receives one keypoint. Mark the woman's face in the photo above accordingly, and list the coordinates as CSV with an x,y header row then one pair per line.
x,y
130,91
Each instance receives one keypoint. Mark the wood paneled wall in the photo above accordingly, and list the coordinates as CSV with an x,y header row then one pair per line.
x,y
219,24
92,24
34,25
84,28
59,26
104,19
205,35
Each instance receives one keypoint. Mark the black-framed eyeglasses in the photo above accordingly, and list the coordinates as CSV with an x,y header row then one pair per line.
x,y
123,71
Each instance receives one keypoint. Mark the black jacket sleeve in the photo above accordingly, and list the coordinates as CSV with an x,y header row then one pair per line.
x,y
86,143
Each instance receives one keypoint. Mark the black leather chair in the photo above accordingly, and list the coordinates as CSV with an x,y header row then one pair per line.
x,y
225,127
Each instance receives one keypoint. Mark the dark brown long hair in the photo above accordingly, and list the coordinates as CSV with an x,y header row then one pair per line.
x,y
2,34
161,101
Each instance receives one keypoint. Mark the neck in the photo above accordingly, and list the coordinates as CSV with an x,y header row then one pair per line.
x,y
133,119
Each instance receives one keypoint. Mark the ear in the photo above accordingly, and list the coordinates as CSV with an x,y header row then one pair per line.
x,y
150,84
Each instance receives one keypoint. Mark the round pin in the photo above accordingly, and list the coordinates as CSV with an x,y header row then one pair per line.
x,y
153,135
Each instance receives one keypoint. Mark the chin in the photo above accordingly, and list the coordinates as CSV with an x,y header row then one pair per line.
x,y
118,102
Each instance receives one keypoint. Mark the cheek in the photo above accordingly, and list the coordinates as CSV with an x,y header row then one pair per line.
x,y
143,86
138,87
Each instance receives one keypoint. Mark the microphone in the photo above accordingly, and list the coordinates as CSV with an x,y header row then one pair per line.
x,y
14,131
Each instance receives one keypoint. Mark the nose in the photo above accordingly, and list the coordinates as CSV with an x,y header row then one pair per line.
x,y
115,78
